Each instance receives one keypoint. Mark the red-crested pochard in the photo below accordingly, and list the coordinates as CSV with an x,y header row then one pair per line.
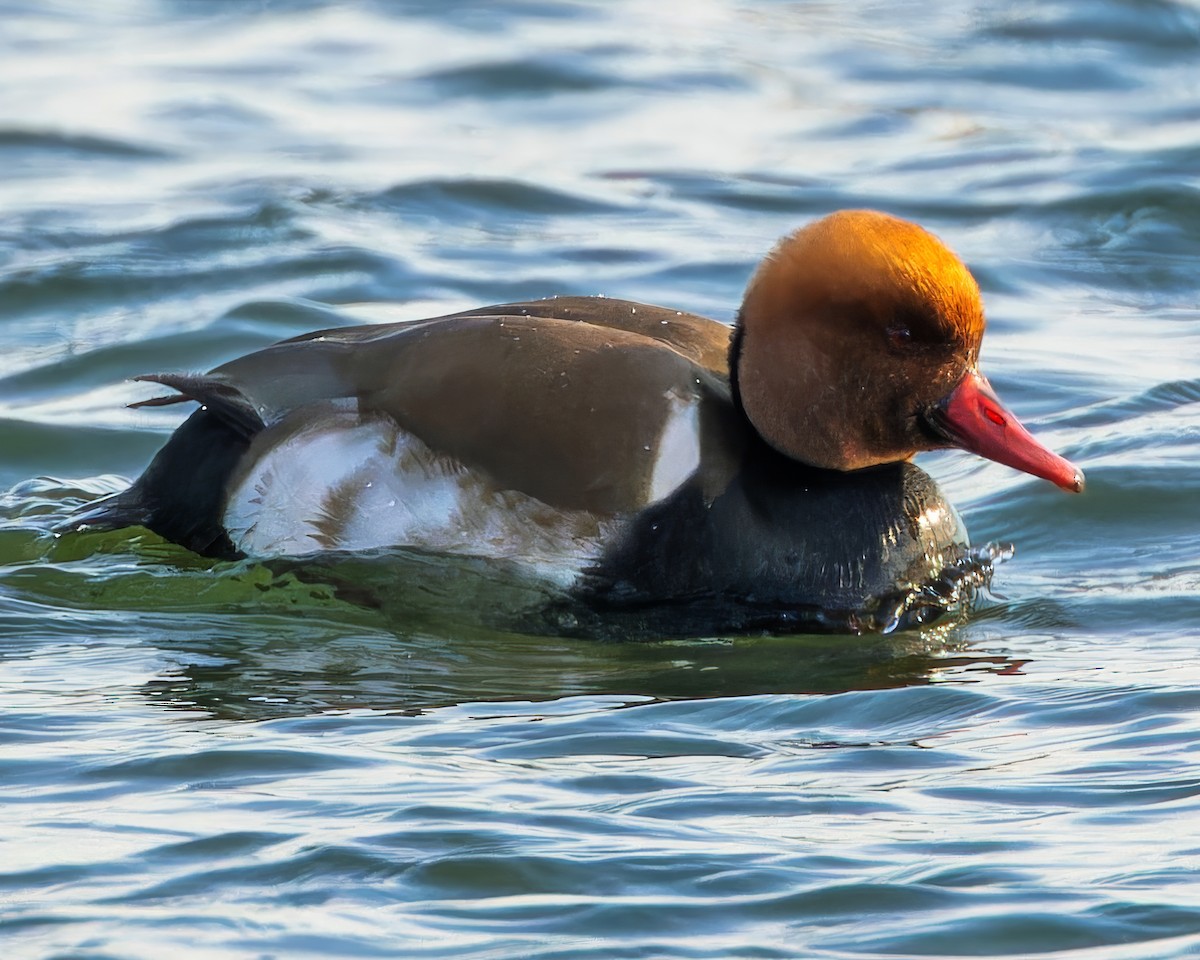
x,y
753,476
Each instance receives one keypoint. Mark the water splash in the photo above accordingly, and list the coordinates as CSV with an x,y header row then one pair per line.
x,y
954,588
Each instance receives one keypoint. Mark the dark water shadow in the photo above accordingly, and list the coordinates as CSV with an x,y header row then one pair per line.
x,y
441,641
246,640
247,679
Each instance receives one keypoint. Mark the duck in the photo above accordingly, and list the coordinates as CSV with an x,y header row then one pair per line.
x,y
644,460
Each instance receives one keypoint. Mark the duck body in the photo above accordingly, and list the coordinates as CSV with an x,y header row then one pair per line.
x,y
612,448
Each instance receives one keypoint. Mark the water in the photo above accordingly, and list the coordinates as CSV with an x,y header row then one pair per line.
x,y
207,759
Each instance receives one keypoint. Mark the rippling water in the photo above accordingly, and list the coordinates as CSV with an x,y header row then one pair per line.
x,y
217,759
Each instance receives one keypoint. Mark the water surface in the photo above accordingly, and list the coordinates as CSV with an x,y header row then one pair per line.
x,y
210,759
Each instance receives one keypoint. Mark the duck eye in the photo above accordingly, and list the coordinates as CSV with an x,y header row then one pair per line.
x,y
899,336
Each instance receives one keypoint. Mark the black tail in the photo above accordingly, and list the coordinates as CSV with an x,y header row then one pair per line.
x,y
181,495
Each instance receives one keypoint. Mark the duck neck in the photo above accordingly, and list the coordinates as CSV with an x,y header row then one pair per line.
x,y
735,359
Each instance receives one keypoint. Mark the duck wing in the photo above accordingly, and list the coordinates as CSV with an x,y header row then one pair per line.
x,y
602,409
583,403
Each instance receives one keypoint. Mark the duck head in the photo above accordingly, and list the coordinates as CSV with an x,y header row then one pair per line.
x,y
858,344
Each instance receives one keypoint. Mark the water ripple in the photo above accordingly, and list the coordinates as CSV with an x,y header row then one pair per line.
x,y
215,759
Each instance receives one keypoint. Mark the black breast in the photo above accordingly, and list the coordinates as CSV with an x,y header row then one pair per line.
x,y
784,546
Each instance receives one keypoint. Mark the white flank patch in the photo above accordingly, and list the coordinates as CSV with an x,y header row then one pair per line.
x,y
678,454
341,483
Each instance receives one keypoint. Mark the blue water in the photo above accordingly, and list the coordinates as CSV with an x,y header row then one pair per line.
x,y
203,759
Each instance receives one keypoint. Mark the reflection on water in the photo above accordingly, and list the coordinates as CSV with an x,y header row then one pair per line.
x,y
187,181
412,631
275,673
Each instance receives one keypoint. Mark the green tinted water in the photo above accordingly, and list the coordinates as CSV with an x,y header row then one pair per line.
x,y
223,760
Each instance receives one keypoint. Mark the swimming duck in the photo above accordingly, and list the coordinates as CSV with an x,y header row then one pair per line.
x,y
639,457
